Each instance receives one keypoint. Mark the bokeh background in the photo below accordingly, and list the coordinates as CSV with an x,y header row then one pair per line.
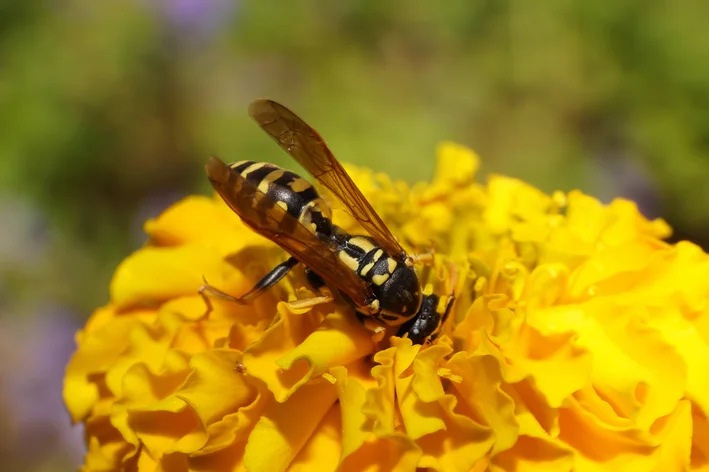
x,y
108,111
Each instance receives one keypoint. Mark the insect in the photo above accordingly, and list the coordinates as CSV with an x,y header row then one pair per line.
x,y
373,272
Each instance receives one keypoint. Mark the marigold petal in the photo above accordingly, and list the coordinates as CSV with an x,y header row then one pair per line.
x,y
198,219
700,442
620,368
107,451
162,273
434,219
671,320
339,340
235,427
688,267
100,346
481,390
380,404
261,358
229,458
420,392
352,384
532,454
214,388
79,395
601,448
384,453
586,217
148,347
535,417
627,223
154,415
195,218
145,462
543,285
538,444
419,418
284,428
543,357
512,200
455,164
458,443
192,332
674,436
167,429
322,451
489,315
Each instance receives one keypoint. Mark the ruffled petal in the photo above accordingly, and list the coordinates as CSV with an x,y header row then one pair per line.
x,y
261,358
107,450
458,442
215,388
100,346
579,340
455,164
201,220
352,384
380,453
156,274
160,420
322,451
284,428
480,387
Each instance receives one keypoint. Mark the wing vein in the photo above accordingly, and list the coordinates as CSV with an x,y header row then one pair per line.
x,y
308,148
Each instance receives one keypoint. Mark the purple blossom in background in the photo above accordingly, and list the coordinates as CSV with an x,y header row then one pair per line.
x,y
36,428
196,19
618,175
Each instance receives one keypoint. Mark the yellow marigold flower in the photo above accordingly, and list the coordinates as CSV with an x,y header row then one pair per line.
x,y
578,341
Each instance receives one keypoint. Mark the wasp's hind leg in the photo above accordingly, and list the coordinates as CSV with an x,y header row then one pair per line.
x,y
318,284
268,281
315,280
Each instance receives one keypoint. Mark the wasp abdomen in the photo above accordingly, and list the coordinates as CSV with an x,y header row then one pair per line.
x,y
394,284
289,191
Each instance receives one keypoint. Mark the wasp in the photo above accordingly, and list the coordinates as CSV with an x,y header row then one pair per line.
x,y
372,271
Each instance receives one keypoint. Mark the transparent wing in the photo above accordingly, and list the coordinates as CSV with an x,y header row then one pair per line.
x,y
306,146
264,216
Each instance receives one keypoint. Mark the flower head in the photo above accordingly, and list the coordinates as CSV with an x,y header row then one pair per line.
x,y
578,340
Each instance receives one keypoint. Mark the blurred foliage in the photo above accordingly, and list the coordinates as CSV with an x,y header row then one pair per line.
x,y
109,109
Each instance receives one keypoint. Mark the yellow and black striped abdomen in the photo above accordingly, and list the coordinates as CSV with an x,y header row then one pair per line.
x,y
290,191
394,284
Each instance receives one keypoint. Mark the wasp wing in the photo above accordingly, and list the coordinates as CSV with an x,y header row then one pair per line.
x,y
307,147
266,217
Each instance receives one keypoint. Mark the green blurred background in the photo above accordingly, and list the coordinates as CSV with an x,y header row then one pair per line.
x,y
108,111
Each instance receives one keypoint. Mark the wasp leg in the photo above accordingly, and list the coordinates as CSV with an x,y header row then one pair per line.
x,y
319,285
425,326
268,281
314,279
